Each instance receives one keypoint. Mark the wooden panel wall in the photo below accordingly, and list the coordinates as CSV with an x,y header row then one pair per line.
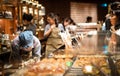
x,y
6,26
63,6
79,11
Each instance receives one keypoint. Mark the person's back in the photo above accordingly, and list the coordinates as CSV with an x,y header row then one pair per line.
x,y
32,27
27,22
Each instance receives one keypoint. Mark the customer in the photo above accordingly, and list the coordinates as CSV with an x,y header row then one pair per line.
x,y
27,23
26,44
68,21
115,16
115,21
51,32
88,19
70,26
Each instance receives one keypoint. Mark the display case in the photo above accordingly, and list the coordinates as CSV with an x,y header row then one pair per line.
x,y
93,55
84,59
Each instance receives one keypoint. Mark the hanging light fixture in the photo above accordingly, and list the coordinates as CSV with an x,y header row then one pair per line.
x,y
41,10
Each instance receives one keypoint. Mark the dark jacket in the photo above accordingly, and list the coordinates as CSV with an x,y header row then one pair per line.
x,y
108,24
32,27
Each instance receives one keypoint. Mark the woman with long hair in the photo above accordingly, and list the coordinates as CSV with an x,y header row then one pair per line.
x,y
52,30
68,21
115,28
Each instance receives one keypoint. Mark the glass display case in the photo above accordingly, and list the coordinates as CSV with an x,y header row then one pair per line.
x,y
90,56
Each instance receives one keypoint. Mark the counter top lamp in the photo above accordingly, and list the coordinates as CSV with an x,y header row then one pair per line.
x,y
41,14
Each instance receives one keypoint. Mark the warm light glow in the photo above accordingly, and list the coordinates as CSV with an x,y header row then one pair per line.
x,y
36,12
25,9
23,1
34,3
42,11
1,20
31,10
88,68
39,5
29,2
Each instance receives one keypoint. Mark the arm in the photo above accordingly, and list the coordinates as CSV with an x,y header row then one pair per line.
x,y
15,44
47,33
37,47
48,30
61,27
16,48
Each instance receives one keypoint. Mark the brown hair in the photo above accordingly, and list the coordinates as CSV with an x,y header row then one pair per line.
x,y
53,16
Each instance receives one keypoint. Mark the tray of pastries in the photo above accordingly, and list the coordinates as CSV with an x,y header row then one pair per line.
x,y
82,60
118,65
92,64
45,67
61,54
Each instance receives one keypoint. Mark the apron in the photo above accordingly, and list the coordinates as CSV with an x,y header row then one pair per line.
x,y
54,41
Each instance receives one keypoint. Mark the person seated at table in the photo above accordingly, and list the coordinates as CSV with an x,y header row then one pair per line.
x,y
26,44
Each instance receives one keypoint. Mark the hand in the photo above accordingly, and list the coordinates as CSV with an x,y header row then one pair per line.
x,y
113,28
26,49
52,26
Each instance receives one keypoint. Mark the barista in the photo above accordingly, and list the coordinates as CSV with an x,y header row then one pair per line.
x,y
51,32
